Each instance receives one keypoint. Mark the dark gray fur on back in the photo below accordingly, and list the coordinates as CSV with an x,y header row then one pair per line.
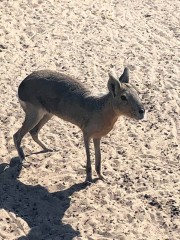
x,y
49,88
48,93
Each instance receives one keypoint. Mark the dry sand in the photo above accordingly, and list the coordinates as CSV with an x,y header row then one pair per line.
x,y
44,198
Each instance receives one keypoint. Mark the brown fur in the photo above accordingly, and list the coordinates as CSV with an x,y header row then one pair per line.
x,y
46,93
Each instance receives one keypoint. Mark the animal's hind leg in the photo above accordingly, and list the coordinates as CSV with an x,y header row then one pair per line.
x,y
32,118
34,132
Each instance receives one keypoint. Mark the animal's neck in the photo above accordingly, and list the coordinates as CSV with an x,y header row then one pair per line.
x,y
100,103
105,102
103,115
105,106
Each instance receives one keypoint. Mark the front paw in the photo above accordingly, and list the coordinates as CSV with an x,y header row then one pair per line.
x,y
102,178
89,179
45,150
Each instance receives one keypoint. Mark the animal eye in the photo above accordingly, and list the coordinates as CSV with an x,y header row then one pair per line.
x,y
123,98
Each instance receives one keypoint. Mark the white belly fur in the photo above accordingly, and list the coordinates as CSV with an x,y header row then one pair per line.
x,y
22,103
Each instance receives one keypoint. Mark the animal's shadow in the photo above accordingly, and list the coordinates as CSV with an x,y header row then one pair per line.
x,y
42,211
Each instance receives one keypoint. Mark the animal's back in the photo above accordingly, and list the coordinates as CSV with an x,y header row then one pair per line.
x,y
51,90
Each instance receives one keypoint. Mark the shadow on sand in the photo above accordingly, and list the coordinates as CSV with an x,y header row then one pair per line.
x,y
42,211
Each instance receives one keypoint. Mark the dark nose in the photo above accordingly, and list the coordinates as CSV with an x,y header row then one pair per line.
x,y
141,111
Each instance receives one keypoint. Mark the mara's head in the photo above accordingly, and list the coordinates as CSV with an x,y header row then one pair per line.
x,y
125,97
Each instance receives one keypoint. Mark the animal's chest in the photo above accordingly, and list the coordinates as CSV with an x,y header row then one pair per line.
x,y
101,128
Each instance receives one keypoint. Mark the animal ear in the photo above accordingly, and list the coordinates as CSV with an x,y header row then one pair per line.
x,y
113,85
124,78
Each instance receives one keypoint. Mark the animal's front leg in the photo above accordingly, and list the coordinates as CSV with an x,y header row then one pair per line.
x,y
88,164
98,157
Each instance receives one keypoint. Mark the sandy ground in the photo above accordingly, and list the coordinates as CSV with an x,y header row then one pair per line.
x,y
45,198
